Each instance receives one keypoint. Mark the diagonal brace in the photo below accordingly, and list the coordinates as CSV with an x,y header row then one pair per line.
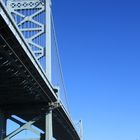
x,y
26,126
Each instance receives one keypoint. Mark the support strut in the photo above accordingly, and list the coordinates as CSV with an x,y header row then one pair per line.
x,y
47,116
2,126
24,126
49,128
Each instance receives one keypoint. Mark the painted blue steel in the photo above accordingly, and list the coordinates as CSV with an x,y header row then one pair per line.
x,y
57,80
19,14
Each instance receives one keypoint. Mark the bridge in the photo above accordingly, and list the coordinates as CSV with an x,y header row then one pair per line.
x,y
31,85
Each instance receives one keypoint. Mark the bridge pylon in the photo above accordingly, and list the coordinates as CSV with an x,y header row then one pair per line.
x,y
27,95
33,18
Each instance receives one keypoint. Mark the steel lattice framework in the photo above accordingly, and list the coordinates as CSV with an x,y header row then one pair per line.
x,y
33,19
26,90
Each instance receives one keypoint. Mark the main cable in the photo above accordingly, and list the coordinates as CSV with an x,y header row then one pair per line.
x,y
59,63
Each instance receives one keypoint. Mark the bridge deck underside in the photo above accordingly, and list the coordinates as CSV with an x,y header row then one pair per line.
x,y
22,90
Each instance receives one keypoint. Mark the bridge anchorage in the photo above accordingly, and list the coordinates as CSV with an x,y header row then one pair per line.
x,y
28,97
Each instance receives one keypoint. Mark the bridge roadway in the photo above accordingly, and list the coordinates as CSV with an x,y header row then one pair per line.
x,y
24,89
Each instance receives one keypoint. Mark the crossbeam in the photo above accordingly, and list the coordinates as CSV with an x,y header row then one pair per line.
x,y
26,126
48,134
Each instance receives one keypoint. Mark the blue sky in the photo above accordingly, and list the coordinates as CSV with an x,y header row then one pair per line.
x,y
99,44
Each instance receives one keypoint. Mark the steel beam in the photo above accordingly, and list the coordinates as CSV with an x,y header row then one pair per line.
x,y
2,126
49,128
24,126
48,39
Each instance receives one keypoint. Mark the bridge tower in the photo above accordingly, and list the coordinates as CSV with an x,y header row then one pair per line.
x,y
33,20
28,97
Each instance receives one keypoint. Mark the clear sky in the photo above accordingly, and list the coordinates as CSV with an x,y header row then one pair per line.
x,y
99,44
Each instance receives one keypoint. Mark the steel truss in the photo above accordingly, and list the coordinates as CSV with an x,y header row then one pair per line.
x,y
33,19
15,7
24,126
47,135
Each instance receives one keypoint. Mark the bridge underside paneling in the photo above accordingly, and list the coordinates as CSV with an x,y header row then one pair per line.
x,y
22,90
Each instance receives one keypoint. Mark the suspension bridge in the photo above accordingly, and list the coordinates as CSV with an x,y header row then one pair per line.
x,y
32,90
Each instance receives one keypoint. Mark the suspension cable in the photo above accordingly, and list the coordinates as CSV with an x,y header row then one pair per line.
x,y
59,63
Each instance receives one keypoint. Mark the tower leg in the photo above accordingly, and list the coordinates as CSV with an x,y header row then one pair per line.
x,y
2,126
49,128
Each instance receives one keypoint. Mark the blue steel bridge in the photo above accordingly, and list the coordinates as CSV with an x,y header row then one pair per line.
x,y
32,91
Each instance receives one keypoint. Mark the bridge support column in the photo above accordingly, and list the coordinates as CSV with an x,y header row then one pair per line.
x,y
48,125
2,126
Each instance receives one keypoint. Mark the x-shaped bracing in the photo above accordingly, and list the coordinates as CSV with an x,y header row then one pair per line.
x,y
25,126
